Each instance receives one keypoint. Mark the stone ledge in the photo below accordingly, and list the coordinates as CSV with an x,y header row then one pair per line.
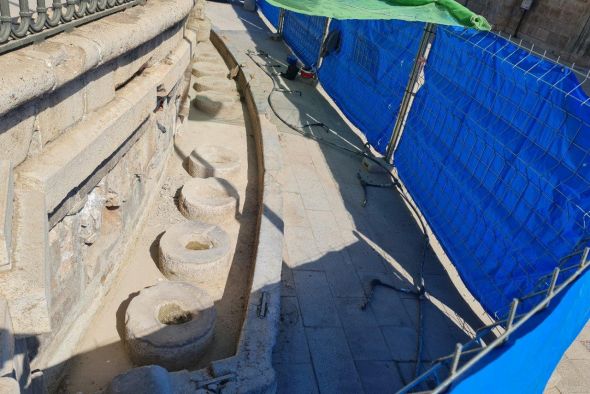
x,y
34,71
252,363
65,165
50,185
6,197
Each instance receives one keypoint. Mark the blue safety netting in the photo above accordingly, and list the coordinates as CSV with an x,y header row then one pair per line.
x,y
367,76
526,362
303,33
507,162
270,12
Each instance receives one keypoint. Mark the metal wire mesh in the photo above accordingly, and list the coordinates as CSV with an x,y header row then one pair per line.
x,y
367,76
304,35
495,153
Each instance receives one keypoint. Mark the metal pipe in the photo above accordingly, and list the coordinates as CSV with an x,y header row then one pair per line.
x,y
324,36
408,97
281,22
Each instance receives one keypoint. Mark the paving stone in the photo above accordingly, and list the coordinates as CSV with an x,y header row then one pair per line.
x,y
388,307
332,361
315,300
574,377
293,210
352,315
305,172
325,230
313,196
295,379
341,275
365,258
301,248
401,341
291,344
367,343
379,377
577,351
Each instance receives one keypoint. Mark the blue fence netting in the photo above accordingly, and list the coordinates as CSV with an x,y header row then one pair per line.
x,y
495,153
368,74
270,12
526,362
303,33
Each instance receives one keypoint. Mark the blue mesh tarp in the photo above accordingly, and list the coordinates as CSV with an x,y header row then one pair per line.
x,y
525,364
368,75
304,33
270,12
506,158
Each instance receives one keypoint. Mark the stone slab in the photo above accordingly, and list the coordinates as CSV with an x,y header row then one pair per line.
x,y
333,363
296,379
6,340
6,211
26,287
315,300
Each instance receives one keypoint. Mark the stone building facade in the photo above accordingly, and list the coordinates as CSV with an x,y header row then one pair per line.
x,y
562,27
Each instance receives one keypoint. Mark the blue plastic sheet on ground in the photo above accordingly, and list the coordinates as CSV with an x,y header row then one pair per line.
x,y
270,12
303,33
368,75
498,163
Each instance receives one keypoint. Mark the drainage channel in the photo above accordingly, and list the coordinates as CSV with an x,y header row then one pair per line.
x,y
180,296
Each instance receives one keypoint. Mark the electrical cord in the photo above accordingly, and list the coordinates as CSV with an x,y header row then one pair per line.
x,y
419,291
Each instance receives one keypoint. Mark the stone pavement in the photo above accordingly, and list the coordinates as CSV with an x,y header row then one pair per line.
x,y
334,248
572,375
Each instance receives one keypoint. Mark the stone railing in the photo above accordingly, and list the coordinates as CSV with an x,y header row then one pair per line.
x,y
87,120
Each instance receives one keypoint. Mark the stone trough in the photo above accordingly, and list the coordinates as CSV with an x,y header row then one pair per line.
x,y
194,251
169,324
213,161
211,200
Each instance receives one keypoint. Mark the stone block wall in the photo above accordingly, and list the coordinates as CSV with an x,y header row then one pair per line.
x,y
562,27
87,120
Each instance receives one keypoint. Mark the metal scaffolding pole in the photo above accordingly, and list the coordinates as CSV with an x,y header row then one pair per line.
x,y
411,89
324,36
281,22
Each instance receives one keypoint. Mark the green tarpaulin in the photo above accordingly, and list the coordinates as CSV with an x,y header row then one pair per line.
x,y
442,12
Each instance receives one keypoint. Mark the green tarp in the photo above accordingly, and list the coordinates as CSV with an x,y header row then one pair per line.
x,y
442,12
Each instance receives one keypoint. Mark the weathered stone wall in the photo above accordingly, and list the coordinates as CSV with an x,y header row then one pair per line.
x,y
559,26
87,121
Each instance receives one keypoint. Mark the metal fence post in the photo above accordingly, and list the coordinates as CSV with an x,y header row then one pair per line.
x,y
324,36
411,88
281,22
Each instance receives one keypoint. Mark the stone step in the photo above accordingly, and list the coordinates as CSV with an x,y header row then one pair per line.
x,y
221,105
213,83
208,68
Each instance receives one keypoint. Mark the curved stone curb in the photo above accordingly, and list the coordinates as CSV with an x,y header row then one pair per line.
x,y
211,200
213,161
194,251
169,324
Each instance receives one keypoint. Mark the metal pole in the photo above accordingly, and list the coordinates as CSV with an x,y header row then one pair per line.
x,y
411,88
281,22
324,36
